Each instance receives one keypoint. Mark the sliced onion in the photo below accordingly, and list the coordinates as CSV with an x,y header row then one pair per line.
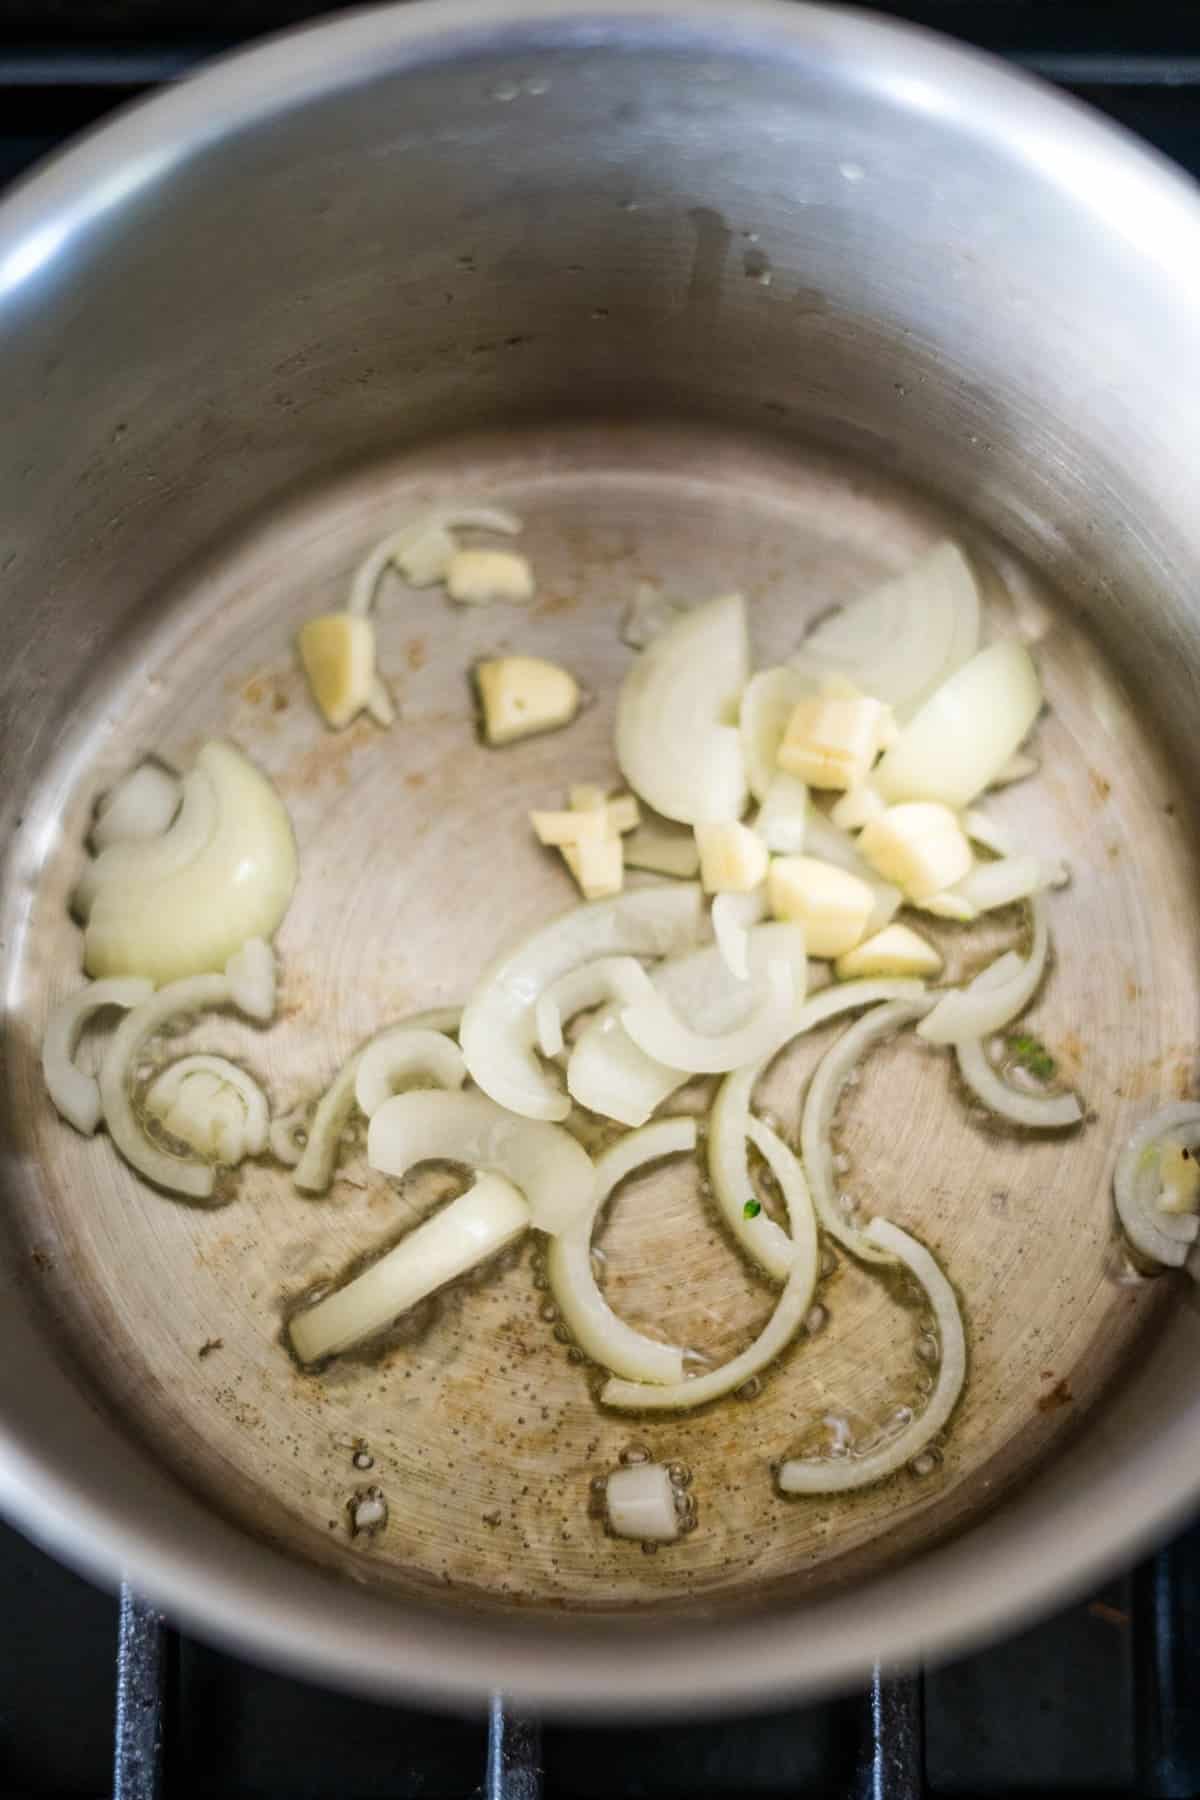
x,y
252,980
422,549
1018,768
211,1105
966,731
610,1076
499,1021
191,920
76,1095
820,1106
732,917
901,640
481,1222
829,1475
1041,1112
139,806
314,1170
139,863
782,819
555,1174
997,995
674,746
987,832
406,1054
824,841
620,978
1161,1236
648,615
728,1169
284,1134
857,807
659,1031
640,1503
1003,882
591,1320
786,1320
768,701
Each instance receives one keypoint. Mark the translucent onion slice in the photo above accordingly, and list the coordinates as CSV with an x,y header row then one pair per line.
x,y
782,819
76,1095
732,917
997,995
1003,882
674,745
555,1174
139,806
481,1222
139,863
661,1033
422,549
820,1106
1161,1236
786,1320
591,1320
314,1169
191,920
212,1105
610,1076
401,1056
499,1021
620,978
765,1241
1040,1112
966,731
1018,768
252,980
768,701
828,1475
900,641
284,1134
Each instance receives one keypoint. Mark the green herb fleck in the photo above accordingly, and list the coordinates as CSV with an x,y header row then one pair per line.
x,y
751,1209
1033,1055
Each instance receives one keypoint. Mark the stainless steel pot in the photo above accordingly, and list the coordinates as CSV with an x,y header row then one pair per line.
x,y
437,247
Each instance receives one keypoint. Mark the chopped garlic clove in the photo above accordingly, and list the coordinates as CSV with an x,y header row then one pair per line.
x,y
337,651
832,742
662,850
598,867
733,859
559,828
522,695
478,577
1179,1173
896,950
833,906
919,845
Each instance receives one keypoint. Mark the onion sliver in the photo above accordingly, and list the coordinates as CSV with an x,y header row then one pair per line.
x,y
990,1002
140,862
554,1172
609,1075
1040,1112
192,920
422,549
786,1320
579,990
900,641
1001,883
732,917
728,1170
499,1021
782,819
477,1225
283,1134
314,1170
76,1095
586,1313
674,746
657,1030
829,1475
966,731
405,1054
139,806
1163,1237
768,701
252,980
825,1090
224,1116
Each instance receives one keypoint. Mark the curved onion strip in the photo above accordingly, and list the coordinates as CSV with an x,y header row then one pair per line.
x,y
988,1003
479,1223
554,1172
422,549
781,1327
166,1092
285,1128
900,641
403,1055
197,993
660,1032
816,1125
782,819
826,1475
732,916
149,860
252,980
499,1020
1163,1237
1006,880
579,990
380,705
139,806
674,746
728,1129
591,1320
76,1095
966,730
314,1169
987,832
1041,1112
768,700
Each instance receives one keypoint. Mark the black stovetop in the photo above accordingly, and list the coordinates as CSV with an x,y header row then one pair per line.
x,y
1099,1700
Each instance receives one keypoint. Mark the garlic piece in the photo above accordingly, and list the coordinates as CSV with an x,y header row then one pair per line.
x,y
337,651
663,850
896,950
478,577
857,807
832,741
733,859
1179,1173
833,906
919,845
623,814
598,867
559,828
522,695
587,796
